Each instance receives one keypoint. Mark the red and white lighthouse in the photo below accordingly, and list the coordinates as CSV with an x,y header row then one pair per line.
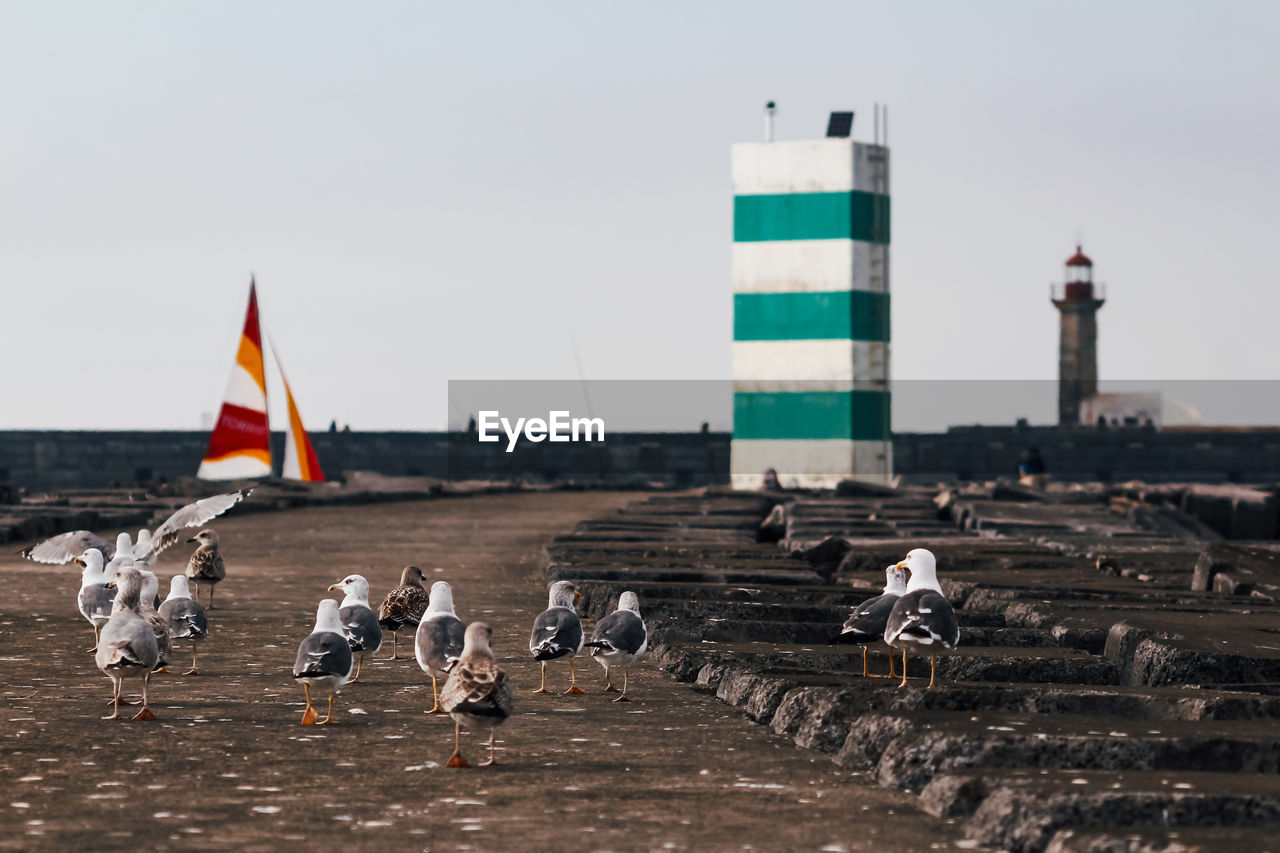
x,y
1077,303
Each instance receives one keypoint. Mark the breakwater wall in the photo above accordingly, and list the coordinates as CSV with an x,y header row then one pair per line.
x,y
53,459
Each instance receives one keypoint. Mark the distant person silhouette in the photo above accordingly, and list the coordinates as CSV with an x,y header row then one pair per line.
x,y
1032,470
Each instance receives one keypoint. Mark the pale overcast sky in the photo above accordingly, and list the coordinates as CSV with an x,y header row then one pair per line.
x,y
431,191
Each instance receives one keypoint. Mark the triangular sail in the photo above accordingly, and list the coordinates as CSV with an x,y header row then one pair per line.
x,y
300,462
240,445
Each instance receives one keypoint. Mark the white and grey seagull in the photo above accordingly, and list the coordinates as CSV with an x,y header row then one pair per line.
x,y
359,622
95,596
618,640
186,618
557,633
127,646
439,639
922,617
324,660
866,624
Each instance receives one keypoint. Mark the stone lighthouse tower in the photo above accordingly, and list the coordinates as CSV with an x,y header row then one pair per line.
x,y
1077,305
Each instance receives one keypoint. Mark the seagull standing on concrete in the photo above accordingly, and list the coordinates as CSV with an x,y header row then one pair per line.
x,y
618,640
923,617
359,622
403,607
866,624
205,565
477,693
186,617
439,640
557,633
324,660
127,646
95,596
159,625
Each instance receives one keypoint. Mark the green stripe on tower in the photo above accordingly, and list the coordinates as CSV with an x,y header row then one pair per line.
x,y
856,215
856,415
859,315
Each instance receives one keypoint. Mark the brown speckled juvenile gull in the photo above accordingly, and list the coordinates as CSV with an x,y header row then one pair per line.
x,y
205,565
403,607
477,693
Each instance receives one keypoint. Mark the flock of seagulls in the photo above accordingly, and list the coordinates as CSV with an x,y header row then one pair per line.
x,y
466,681
134,630
907,614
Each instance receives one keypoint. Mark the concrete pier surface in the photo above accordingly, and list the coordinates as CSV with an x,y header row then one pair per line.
x,y
227,765
1116,686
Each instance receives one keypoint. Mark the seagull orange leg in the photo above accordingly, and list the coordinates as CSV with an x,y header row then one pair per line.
x,y
309,716
608,681
435,698
456,760
193,670
933,669
328,720
145,713
573,682
892,674
543,687
904,668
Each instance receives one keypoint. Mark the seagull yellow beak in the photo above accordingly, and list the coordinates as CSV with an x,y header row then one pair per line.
x,y
577,594
337,587
901,565
80,562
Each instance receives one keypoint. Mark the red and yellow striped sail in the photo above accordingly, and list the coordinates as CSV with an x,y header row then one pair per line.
x,y
240,445
300,462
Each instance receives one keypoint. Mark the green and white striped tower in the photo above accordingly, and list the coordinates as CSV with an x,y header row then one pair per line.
x,y
811,311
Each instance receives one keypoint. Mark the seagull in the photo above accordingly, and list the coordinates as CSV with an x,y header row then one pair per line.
x,y
123,556
146,608
144,549
95,596
324,660
359,622
192,515
922,616
205,565
476,693
403,606
127,647
618,640
557,633
439,640
866,624
65,547
186,617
